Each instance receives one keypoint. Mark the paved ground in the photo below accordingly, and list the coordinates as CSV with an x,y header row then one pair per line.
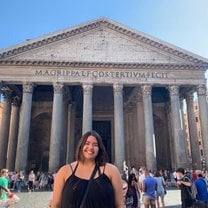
x,y
40,199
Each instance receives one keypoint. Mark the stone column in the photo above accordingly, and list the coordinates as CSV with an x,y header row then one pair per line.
x,y
178,136
69,114
185,136
127,134
70,135
194,143
13,134
5,123
149,128
203,109
24,128
56,128
87,108
119,126
140,128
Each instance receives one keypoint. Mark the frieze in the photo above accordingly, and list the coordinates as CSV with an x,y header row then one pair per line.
x,y
104,65
95,74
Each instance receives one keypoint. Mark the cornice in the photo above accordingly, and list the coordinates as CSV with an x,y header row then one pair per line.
x,y
103,65
103,22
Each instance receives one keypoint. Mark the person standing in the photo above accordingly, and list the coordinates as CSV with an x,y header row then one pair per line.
x,y
149,188
160,193
184,183
201,186
31,180
20,180
90,180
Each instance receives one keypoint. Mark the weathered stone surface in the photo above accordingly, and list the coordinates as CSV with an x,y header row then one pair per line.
x,y
101,45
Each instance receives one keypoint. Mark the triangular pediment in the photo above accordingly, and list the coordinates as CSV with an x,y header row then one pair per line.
x,y
101,40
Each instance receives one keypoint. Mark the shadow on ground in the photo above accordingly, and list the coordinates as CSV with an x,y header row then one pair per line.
x,y
174,206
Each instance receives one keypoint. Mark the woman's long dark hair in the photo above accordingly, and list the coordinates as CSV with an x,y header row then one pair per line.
x,y
101,158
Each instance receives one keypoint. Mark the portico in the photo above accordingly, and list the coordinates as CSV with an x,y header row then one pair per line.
x,y
103,76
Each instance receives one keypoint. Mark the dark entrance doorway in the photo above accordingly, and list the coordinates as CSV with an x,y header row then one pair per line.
x,y
104,129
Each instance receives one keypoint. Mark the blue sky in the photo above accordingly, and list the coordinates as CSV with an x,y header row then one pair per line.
x,y
183,23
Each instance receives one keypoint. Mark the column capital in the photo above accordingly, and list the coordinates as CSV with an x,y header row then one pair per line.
x,y
28,87
16,101
117,88
174,90
146,89
58,88
7,92
87,88
201,89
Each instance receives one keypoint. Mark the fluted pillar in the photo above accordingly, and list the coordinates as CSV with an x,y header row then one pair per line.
x,y
87,108
13,134
56,140
5,124
119,126
203,109
178,136
194,143
149,128
24,128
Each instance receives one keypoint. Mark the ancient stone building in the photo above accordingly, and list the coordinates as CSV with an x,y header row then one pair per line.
x,y
100,75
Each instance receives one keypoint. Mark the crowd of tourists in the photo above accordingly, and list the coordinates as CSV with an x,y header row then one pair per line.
x,y
142,186
90,181
11,182
19,181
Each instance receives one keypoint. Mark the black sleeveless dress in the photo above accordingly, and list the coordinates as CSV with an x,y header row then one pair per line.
x,y
100,195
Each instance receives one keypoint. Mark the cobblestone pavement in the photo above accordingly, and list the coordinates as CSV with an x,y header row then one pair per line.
x,y
40,199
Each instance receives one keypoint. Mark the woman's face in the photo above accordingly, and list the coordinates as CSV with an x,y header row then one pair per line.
x,y
91,148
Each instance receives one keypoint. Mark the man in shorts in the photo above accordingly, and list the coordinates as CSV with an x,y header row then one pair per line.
x,y
149,188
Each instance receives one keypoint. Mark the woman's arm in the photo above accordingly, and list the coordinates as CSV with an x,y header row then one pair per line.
x,y
143,187
59,182
116,181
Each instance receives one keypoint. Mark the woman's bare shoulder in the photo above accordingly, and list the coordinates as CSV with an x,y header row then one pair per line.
x,y
111,169
111,166
66,170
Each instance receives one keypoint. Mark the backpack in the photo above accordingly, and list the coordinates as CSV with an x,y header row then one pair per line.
x,y
192,191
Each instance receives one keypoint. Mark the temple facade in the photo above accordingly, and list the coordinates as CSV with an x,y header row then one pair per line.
x,y
103,76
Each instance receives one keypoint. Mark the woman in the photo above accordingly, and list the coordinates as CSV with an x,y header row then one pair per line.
x,y
72,180
31,180
160,193
133,186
